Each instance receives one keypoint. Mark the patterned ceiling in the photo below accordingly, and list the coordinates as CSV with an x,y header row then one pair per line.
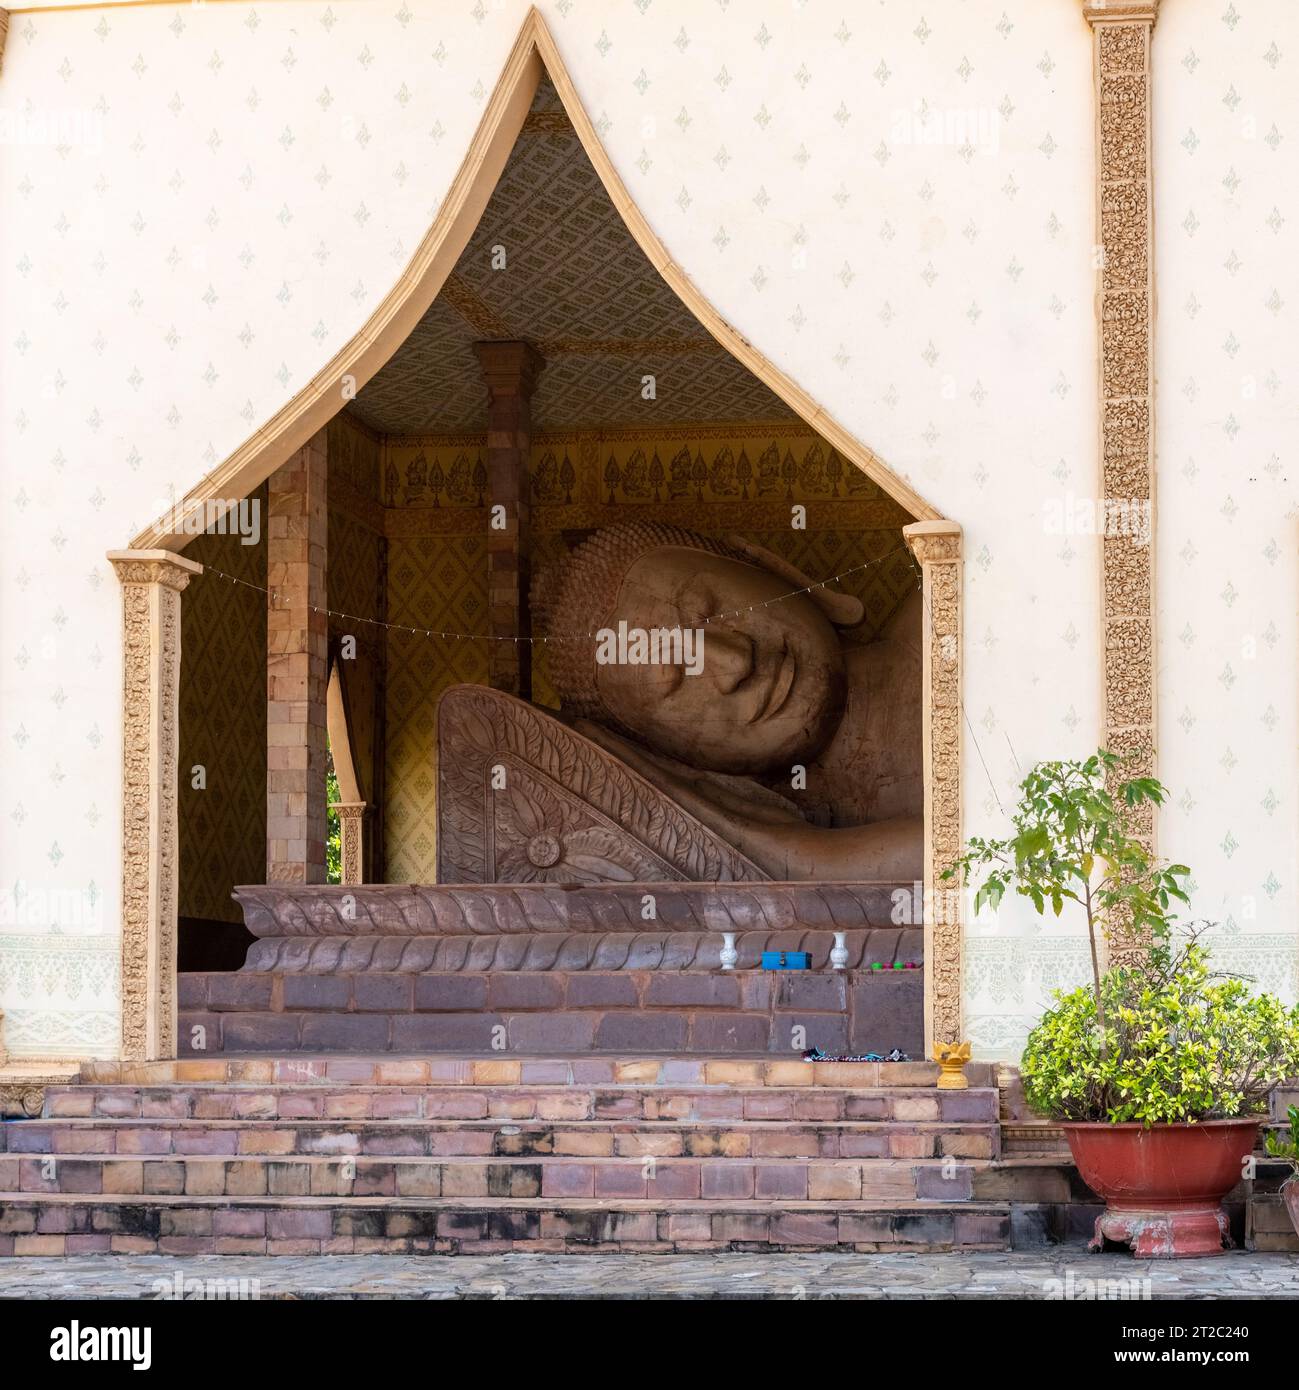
x,y
577,286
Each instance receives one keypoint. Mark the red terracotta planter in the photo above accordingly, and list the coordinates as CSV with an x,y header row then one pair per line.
x,y
1163,1187
1291,1194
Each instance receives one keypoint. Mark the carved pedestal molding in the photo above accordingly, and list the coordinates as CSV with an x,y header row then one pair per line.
x,y
351,826
152,582
937,547
1126,311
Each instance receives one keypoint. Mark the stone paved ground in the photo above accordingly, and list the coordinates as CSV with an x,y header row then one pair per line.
x,y
1064,1271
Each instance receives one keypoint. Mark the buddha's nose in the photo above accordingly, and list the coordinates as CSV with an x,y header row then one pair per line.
x,y
728,657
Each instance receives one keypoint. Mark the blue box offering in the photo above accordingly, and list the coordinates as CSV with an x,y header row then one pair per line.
x,y
786,960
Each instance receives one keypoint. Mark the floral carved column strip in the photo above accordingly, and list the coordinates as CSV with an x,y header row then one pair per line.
x,y
1122,31
152,582
937,547
351,835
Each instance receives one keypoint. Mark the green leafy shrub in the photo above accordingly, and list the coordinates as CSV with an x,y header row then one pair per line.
x,y
1177,1044
334,829
1078,841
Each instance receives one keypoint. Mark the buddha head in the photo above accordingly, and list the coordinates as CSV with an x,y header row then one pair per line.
x,y
769,681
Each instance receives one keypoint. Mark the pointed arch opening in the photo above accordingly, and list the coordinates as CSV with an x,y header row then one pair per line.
x,y
150,711
533,56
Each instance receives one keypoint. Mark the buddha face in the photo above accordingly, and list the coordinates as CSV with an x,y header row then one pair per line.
x,y
771,683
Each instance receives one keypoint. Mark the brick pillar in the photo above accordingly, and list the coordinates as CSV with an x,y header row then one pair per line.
x,y
510,371
297,637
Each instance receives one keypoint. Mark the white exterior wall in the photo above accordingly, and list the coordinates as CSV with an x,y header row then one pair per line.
x,y
255,177
1227,242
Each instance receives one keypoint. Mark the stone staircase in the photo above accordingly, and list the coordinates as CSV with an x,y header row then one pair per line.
x,y
480,1154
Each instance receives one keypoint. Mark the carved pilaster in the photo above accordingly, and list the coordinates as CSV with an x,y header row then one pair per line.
x,y
152,582
937,547
1126,311
4,34
351,826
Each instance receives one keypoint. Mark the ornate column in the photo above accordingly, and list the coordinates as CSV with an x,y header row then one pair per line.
x,y
297,667
1125,302
152,583
351,827
937,547
511,371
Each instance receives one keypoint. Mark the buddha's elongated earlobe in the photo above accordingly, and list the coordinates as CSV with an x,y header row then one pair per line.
x,y
843,610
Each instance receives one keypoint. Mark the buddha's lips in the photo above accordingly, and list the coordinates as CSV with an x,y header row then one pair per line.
x,y
782,682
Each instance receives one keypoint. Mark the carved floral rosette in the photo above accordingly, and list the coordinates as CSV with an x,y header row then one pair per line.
x,y
522,798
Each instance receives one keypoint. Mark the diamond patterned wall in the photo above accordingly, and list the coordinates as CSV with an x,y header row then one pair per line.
x,y
222,827
433,578
575,284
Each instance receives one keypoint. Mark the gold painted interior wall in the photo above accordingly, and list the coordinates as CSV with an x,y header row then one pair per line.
x,y
222,826
356,583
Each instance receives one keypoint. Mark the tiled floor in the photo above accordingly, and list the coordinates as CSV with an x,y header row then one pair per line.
x,y
1064,1272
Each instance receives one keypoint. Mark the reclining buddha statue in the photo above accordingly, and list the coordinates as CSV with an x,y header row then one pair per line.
x,y
779,748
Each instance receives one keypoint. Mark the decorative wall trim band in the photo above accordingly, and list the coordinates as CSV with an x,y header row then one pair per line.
x,y
1121,32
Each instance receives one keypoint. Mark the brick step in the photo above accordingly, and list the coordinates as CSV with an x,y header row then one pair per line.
x,y
713,1031
73,1225
450,1137
906,1105
491,1069
558,1176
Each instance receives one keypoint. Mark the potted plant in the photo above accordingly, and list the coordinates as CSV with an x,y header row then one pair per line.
x,y
1158,1071
1279,1146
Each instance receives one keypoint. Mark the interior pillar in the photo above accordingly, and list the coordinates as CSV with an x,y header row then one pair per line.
x,y
297,641
510,370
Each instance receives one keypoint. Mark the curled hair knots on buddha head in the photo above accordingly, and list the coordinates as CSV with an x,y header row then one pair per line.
x,y
577,594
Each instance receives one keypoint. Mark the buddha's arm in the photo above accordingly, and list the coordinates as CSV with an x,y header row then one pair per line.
x,y
886,849
782,844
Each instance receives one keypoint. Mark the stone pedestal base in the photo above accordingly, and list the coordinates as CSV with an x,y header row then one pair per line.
x,y
1178,1233
554,1012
